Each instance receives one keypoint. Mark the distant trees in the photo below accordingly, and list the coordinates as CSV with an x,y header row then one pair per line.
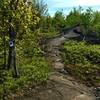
x,y
33,15
73,18
96,23
87,19
59,20
52,24
40,6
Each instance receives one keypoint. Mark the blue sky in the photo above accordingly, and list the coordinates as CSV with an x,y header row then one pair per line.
x,y
67,5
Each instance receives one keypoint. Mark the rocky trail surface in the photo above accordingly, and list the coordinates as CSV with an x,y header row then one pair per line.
x,y
60,86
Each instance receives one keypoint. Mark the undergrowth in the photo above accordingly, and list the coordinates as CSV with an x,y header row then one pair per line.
x,y
82,60
32,65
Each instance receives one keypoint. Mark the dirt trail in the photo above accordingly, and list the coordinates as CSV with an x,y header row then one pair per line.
x,y
60,85
68,87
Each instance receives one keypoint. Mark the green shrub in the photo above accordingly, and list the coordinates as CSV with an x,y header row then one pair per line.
x,y
30,74
32,65
82,60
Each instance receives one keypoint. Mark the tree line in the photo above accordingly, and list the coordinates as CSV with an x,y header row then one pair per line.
x,y
88,21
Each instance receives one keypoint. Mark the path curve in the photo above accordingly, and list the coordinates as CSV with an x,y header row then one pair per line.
x,y
60,85
69,88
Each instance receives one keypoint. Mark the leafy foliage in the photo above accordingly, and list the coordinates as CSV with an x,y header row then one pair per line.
x,y
58,20
30,74
88,21
73,18
40,6
31,62
32,66
83,60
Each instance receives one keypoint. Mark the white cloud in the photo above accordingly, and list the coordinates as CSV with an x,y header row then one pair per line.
x,y
67,5
87,2
53,3
62,3
71,3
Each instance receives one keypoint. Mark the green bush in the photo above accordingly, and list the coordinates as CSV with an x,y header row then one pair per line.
x,y
32,65
82,60
30,74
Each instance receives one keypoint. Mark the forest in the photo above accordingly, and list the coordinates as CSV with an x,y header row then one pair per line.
x,y
32,27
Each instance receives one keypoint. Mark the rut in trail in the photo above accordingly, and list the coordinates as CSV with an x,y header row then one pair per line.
x,y
60,85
